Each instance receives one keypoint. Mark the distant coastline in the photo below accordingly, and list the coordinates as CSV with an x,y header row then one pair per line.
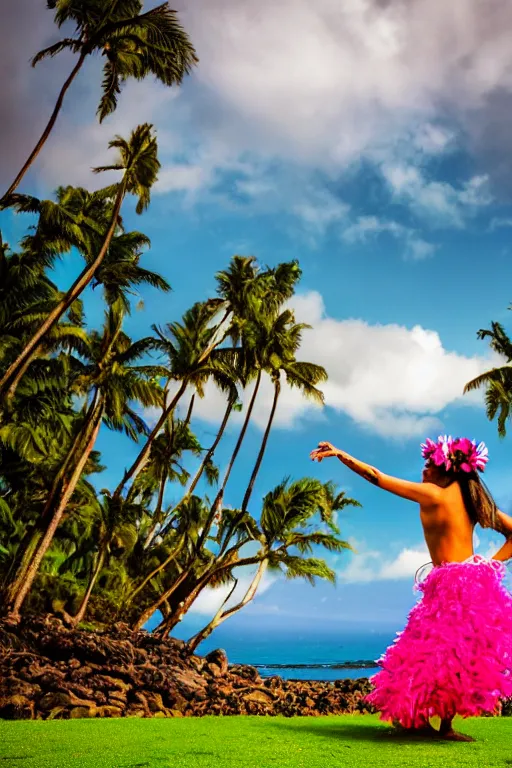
x,y
363,664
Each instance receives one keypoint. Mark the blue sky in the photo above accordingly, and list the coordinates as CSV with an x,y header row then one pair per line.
x,y
368,143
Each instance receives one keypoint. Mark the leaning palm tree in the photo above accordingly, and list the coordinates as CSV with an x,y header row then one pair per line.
x,y
497,381
262,346
274,342
165,466
277,341
134,44
184,344
114,528
252,298
110,382
291,525
139,162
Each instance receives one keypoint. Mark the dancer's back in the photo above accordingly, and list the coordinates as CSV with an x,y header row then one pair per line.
x,y
447,527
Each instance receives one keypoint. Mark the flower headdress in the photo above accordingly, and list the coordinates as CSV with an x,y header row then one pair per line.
x,y
458,454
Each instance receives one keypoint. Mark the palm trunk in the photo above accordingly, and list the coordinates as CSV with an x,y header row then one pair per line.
x,y
213,346
250,487
85,600
254,475
82,281
18,568
190,409
32,539
199,583
220,495
66,494
158,510
157,570
176,616
208,524
143,456
42,141
222,614
209,455
14,385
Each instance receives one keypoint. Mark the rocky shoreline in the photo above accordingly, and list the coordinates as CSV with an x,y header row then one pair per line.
x,y
49,671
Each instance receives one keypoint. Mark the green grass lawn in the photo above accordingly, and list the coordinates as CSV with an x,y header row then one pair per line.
x,y
245,742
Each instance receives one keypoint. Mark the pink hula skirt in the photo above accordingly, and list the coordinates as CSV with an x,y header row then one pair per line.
x,y
454,656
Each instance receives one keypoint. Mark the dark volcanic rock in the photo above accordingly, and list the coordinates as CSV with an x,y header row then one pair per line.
x,y
50,671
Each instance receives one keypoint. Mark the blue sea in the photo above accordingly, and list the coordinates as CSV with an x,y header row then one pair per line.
x,y
299,653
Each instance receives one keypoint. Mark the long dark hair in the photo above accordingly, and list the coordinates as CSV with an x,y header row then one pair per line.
x,y
478,500
479,503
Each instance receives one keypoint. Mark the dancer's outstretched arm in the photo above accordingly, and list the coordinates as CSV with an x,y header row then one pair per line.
x,y
505,553
422,493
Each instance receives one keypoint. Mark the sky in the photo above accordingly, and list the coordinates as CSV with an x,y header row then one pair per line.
x,y
369,140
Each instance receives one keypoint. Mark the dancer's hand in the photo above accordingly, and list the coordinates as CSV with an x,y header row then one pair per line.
x,y
324,451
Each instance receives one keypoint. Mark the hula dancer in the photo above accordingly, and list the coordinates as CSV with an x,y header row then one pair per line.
x,y
454,656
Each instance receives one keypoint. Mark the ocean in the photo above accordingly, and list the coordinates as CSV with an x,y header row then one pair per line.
x,y
298,653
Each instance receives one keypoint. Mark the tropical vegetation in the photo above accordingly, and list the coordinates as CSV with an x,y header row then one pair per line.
x,y
497,381
170,525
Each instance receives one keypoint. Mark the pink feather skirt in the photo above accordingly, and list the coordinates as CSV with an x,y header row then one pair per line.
x,y
454,656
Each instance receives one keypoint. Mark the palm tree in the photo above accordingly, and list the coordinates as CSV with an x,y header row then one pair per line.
x,y
165,465
139,162
179,540
112,382
497,381
276,342
205,465
114,529
263,293
245,291
296,517
252,297
184,345
25,296
292,524
134,45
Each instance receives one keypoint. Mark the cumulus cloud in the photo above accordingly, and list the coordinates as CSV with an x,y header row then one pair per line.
x,y
438,202
417,377
210,600
320,84
365,227
369,565
329,81
392,380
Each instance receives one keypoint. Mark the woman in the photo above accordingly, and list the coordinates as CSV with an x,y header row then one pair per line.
x,y
455,655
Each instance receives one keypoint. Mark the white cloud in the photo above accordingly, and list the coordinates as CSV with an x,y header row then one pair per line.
x,y
433,139
364,227
330,81
418,249
210,600
417,377
322,83
320,210
370,565
498,223
174,178
438,202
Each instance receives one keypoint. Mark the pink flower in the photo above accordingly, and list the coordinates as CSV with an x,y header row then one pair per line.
x,y
459,454
428,448
439,456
